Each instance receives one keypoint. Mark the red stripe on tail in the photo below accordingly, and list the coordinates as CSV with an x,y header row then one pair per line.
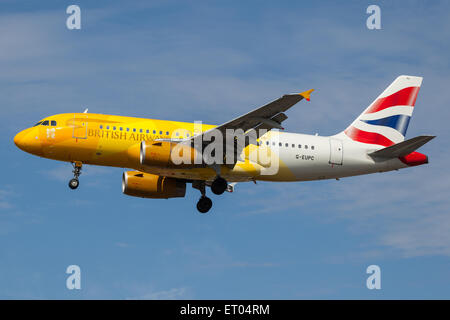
x,y
404,97
367,137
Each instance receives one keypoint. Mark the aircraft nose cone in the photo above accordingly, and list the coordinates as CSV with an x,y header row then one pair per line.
x,y
18,139
26,141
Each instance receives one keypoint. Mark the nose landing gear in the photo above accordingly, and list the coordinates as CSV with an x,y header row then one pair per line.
x,y
74,183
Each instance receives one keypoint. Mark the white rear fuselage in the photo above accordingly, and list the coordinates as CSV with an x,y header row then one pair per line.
x,y
310,157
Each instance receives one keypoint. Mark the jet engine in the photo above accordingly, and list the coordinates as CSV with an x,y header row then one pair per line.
x,y
167,154
145,185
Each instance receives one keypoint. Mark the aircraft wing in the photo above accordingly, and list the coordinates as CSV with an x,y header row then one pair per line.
x,y
266,117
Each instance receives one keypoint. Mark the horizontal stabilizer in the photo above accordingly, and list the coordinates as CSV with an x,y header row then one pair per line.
x,y
401,149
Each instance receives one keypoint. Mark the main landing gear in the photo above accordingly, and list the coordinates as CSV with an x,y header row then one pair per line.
x,y
204,204
74,183
218,186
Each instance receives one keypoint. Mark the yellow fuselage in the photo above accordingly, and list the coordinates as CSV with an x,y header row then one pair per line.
x,y
109,140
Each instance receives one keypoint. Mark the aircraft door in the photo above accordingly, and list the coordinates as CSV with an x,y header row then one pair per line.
x,y
336,151
79,125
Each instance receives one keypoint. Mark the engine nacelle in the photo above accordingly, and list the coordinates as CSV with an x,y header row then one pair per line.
x,y
145,185
167,154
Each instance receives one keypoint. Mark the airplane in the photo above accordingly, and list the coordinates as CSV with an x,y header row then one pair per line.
x,y
373,142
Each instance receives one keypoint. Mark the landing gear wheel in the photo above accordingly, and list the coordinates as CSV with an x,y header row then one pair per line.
x,y
219,185
204,204
73,184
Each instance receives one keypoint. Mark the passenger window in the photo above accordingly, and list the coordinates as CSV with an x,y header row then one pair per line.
x,y
120,128
148,131
167,133
312,147
187,135
107,127
273,143
53,123
160,132
101,127
293,145
140,130
45,123
114,128
286,144
267,142
134,129
299,146
306,147
128,129
280,144
154,131
177,134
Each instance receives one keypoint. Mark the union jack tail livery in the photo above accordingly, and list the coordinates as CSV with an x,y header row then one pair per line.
x,y
386,119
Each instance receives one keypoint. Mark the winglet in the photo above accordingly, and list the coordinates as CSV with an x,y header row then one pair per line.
x,y
306,94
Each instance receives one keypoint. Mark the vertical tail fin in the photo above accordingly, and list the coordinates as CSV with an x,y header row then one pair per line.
x,y
386,119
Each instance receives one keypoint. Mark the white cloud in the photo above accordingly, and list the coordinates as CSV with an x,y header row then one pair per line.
x,y
5,199
421,236
122,244
403,213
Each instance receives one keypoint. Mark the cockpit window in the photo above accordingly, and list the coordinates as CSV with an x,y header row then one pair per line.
x,y
45,123
53,123
38,123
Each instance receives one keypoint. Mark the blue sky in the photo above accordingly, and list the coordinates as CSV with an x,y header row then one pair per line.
x,y
212,61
